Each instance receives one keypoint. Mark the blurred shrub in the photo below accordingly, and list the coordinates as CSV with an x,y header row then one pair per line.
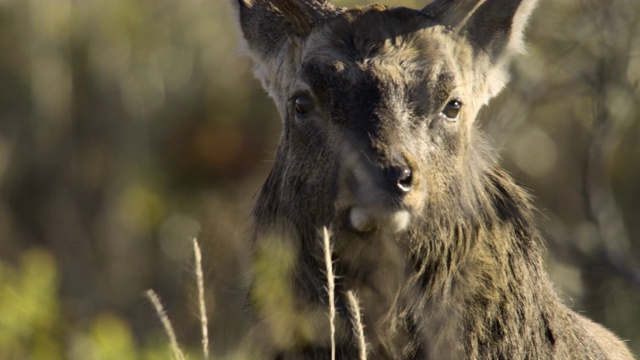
x,y
29,309
32,325
129,126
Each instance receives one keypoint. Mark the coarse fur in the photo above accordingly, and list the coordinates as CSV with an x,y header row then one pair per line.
x,y
379,144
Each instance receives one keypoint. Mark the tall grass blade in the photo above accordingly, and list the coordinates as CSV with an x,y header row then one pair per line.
x,y
358,328
166,323
330,289
203,309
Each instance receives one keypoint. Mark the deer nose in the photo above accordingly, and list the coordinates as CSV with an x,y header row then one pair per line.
x,y
399,178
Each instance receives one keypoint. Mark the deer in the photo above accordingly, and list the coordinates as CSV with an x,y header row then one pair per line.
x,y
380,145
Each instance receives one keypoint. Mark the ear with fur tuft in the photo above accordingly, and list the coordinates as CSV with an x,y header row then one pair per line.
x,y
452,14
267,24
493,27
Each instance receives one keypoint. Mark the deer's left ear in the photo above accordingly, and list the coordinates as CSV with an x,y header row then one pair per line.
x,y
272,27
494,28
268,24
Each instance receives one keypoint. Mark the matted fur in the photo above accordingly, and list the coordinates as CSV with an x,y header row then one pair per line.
x,y
448,268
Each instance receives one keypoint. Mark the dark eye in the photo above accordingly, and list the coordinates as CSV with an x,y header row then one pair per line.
x,y
452,109
303,104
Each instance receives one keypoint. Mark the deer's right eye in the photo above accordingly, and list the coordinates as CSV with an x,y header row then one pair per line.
x,y
452,109
303,104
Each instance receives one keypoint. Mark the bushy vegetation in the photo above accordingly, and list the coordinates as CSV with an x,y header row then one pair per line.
x,y
127,127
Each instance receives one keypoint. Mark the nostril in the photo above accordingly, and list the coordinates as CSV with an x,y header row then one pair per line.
x,y
400,177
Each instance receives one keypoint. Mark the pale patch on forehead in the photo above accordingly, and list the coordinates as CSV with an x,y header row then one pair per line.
x,y
393,54
411,65
338,66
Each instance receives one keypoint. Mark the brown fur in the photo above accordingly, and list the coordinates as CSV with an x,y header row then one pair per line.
x,y
450,266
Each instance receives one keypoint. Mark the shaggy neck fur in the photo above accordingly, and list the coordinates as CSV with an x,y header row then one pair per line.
x,y
468,279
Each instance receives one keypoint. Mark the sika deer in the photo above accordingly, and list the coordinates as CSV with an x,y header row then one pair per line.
x,y
379,144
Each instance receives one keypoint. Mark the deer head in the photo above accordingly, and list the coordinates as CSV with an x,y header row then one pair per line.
x,y
378,105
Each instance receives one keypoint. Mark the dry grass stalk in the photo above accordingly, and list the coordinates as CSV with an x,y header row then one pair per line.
x,y
358,328
330,289
203,308
166,323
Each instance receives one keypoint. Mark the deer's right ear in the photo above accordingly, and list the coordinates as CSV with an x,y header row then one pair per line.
x,y
492,27
268,24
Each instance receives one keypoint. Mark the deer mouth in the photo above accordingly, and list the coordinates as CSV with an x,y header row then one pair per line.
x,y
379,196
370,205
365,219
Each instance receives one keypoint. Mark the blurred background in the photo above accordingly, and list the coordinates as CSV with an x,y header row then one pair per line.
x,y
127,127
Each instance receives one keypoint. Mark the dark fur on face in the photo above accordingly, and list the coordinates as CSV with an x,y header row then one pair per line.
x,y
379,145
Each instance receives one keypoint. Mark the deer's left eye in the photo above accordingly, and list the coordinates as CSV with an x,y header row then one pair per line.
x,y
303,104
452,109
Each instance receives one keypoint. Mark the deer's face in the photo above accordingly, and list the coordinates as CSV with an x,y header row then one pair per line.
x,y
391,95
378,108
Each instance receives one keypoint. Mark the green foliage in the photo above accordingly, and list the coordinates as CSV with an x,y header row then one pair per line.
x,y
273,294
33,327
29,308
128,126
